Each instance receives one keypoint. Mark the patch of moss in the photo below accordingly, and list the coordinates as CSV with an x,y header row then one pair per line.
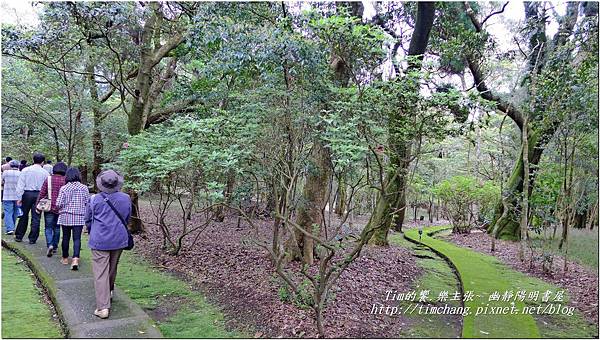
x,y
483,274
437,277
194,318
24,314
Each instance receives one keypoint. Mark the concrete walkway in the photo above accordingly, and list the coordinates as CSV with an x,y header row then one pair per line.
x,y
73,295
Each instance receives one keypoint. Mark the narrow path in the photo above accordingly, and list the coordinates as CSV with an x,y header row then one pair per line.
x,y
73,295
483,275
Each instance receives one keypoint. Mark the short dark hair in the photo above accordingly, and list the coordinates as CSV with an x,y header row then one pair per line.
x,y
8,159
48,162
59,168
38,158
72,175
23,161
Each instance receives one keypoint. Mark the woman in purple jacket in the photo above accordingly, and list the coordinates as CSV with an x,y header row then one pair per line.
x,y
108,235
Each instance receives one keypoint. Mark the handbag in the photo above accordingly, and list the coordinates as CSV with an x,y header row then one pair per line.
x,y
129,236
45,204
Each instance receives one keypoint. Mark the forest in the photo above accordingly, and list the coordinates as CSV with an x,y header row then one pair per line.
x,y
305,166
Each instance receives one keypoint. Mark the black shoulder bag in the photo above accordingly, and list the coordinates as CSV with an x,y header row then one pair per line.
x,y
129,237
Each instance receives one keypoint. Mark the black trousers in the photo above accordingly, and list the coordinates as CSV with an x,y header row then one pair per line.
x,y
66,229
28,205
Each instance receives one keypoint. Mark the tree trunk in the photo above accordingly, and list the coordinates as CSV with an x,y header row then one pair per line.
x,y
97,144
340,206
271,204
316,189
220,213
391,203
386,214
430,210
314,198
506,226
569,207
525,199
135,125
415,211
592,217
83,169
56,145
150,56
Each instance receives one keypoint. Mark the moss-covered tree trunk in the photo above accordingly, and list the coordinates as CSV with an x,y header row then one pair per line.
x,y
97,145
314,198
316,189
507,226
390,208
391,201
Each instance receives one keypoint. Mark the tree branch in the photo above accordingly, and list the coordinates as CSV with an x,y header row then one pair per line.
x,y
167,47
185,105
484,91
494,13
487,94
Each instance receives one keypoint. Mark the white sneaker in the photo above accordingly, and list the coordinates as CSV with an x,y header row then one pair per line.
x,y
102,313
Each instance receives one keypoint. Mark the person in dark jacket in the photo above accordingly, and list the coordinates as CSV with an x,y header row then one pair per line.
x,y
108,235
51,227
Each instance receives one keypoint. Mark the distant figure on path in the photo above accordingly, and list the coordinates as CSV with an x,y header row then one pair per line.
x,y
10,178
108,235
28,188
51,227
72,200
6,166
48,167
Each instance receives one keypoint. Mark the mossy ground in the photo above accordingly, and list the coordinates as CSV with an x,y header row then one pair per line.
x,y
437,277
483,275
24,313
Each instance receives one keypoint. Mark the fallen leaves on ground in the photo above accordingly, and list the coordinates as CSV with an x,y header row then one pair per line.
x,y
237,276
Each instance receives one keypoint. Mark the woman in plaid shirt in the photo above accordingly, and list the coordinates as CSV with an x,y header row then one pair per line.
x,y
72,201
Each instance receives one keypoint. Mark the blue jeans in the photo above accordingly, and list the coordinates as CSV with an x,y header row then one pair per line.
x,y
10,215
67,229
52,229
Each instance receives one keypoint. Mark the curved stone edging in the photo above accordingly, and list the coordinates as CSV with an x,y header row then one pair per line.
x,y
496,326
44,280
440,254
72,294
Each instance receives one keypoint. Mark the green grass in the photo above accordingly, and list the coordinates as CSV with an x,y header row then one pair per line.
x,y
437,276
483,274
582,248
24,314
151,288
148,287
